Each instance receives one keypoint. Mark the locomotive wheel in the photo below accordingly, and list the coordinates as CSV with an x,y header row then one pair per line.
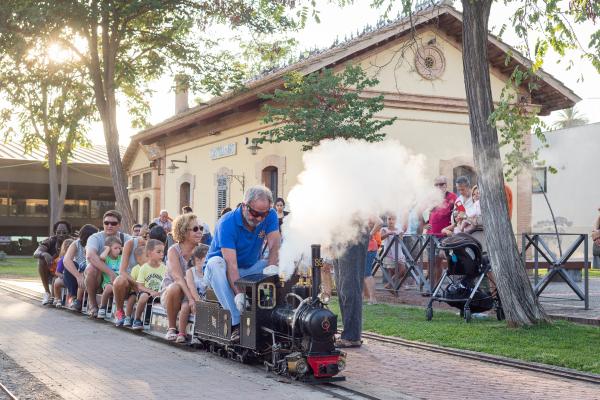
x,y
429,313
467,314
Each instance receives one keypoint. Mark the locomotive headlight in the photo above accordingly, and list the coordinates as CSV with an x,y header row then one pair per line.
x,y
301,366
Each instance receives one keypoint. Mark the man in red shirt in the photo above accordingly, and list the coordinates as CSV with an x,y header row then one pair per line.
x,y
439,218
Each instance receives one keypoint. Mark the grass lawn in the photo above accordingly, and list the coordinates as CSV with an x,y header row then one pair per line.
x,y
562,343
18,268
593,273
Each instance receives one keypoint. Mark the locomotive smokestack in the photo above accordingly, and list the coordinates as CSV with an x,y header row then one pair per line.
x,y
317,263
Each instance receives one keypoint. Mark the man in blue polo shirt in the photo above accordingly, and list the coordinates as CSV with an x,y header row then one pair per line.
x,y
235,250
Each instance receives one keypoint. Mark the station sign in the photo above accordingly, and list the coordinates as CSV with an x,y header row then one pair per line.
x,y
224,150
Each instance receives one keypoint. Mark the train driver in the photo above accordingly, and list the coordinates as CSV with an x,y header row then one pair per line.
x,y
236,249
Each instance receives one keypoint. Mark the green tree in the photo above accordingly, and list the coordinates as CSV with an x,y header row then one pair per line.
x,y
124,44
324,105
570,117
47,106
554,21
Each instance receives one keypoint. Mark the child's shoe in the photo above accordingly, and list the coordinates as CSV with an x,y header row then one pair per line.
x,y
128,321
137,325
102,313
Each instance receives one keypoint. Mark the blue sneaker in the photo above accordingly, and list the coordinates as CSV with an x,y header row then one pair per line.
x,y
119,318
128,321
137,325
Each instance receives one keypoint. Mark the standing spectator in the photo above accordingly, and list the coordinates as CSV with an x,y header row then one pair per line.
x,y
186,210
349,274
439,218
136,230
206,236
464,202
95,266
596,245
47,255
374,243
164,220
394,261
509,199
281,213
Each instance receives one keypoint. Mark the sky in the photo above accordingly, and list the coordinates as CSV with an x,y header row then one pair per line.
x,y
339,22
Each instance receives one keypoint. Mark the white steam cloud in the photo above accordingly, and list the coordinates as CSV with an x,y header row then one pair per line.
x,y
348,179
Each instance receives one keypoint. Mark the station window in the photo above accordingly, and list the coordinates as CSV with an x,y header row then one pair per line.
x,y
538,180
147,180
222,194
135,182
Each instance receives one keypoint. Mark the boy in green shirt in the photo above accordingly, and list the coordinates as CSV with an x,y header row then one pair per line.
x,y
149,278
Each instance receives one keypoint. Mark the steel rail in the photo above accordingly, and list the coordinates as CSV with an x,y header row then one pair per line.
x,y
8,392
487,358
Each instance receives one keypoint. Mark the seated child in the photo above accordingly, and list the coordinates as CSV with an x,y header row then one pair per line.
x,y
112,258
59,281
149,278
140,258
195,283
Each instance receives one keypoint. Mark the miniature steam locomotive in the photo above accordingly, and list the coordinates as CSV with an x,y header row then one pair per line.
x,y
286,326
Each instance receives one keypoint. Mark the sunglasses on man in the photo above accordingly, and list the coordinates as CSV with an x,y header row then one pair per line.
x,y
257,214
111,223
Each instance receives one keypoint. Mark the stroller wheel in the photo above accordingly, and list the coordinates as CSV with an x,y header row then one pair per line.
x,y
500,314
467,314
429,313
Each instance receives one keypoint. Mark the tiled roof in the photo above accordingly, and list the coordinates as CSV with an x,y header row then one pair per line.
x,y
93,155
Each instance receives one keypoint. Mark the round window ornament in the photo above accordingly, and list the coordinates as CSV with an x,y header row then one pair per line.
x,y
430,62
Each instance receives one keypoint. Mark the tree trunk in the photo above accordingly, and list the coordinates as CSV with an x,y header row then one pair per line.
x,y
64,183
520,304
119,179
53,186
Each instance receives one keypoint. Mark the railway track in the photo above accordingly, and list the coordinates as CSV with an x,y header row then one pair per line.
x,y
8,392
345,393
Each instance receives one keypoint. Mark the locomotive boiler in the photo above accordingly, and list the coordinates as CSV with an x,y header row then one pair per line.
x,y
286,326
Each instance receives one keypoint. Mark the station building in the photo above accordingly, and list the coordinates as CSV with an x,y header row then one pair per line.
x,y
24,194
205,156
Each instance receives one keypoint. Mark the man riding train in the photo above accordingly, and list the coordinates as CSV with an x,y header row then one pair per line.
x,y
235,251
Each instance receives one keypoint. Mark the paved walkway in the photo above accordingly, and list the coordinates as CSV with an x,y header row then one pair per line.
x,y
82,359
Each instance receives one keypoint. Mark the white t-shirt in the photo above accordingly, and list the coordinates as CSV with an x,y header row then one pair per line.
x,y
469,204
96,242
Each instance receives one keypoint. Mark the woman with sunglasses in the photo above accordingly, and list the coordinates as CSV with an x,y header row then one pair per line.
x,y
236,249
175,296
124,285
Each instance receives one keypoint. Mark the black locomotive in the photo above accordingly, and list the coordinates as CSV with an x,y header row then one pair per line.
x,y
285,325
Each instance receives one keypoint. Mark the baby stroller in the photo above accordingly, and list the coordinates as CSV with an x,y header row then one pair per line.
x,y
467,268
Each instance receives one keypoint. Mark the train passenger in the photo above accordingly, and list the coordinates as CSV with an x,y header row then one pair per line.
x,y
47,252
236,248
149,278
95,266
112,258
137,230
174,292
75,262
125,284
195,282
59,282
140,257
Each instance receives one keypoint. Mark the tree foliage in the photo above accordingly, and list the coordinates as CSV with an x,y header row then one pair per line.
x,y
570,117
48,105
125,44
324,105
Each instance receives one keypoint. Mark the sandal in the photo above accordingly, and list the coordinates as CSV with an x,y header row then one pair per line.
x,y
345,343
93,312
171,334
181,338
